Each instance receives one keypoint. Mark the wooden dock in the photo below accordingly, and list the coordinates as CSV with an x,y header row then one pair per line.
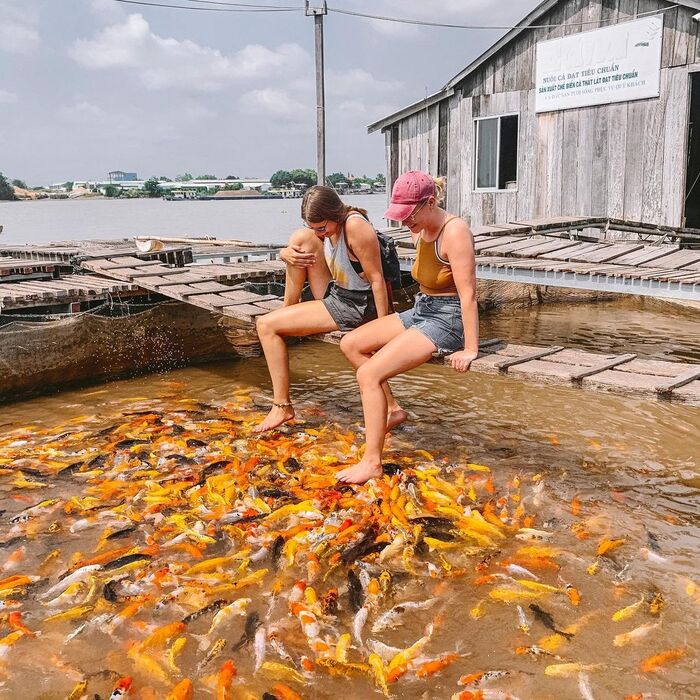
x,y
220,288
200,285
558,366
556,252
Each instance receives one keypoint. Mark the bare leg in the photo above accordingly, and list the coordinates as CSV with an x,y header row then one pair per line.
x,y
359,345
406,351
318,275
306,318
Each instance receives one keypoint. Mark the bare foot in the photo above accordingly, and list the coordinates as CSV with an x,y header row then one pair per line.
x,y
360,472
276,417
395,418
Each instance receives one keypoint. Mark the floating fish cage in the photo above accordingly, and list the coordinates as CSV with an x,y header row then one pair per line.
x,y
41,351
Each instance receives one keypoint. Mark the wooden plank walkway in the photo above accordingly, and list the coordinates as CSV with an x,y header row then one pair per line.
x,y
200,285
557,366
73,289
518,249
534,252
14,270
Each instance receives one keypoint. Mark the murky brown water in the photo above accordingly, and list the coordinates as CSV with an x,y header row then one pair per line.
x,y
632,466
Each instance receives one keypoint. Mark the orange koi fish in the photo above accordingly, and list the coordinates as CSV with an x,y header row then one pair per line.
x,y
430,668
182,691
653,663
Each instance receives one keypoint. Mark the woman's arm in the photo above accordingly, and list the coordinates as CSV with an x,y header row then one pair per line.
x,y
362,240
458,249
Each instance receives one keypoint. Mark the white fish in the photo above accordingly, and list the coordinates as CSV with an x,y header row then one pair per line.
x,y
584,687
260,554
523,621
259,646
653,557
238,607
537,491
384,651
529,533
521,571
68,598
98,621
392,550
78,575
390,617
634,635
358,624
277,645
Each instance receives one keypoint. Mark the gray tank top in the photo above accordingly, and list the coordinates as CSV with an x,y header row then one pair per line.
x,y
338,261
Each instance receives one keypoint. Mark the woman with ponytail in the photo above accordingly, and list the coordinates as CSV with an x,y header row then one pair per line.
x,y
444,318
337,253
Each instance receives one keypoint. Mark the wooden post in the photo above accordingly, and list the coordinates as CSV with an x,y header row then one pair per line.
x,y
317,13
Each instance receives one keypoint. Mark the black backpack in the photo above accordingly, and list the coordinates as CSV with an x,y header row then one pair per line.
x,y
391,267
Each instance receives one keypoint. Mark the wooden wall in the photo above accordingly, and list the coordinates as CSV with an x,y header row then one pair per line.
x,y
625,160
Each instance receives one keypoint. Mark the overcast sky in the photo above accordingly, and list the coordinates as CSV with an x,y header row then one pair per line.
x,y
89,86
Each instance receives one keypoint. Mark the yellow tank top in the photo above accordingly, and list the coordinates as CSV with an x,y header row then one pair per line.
x,y
432,272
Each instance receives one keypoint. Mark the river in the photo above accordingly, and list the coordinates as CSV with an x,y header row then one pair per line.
x,y
592,471
133,479
259,221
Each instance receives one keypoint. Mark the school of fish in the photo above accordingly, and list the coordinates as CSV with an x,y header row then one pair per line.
x,y
167,552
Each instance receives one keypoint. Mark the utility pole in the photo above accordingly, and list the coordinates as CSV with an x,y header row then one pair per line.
x,y
317,13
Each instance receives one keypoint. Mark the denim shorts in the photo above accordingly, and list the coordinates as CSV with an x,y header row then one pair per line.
x,y
349,308
439,319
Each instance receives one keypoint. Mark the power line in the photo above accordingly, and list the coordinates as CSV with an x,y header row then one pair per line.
x,y
241,7
221,6
423,23
245,4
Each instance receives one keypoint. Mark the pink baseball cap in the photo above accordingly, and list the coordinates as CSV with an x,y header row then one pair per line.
x,y
410,189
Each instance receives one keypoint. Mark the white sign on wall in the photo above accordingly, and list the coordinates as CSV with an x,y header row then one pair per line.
x,y
612,64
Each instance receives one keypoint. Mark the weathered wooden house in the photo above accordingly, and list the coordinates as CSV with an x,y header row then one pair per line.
x,y
587,107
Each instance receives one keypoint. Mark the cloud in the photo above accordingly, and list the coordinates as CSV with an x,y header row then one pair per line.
x,y
161,63
7,98
269,102
81,113
106,10
17,33
474,12
358,81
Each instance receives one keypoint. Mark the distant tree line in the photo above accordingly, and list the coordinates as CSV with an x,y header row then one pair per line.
x,y
7,192
285,178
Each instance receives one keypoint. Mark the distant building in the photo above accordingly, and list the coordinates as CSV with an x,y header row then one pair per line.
x,y
121,176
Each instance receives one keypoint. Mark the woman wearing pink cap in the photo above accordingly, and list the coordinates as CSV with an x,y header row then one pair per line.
x,y
444,318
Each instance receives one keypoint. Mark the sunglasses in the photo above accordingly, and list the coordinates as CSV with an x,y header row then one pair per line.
x,y
315,229
412,215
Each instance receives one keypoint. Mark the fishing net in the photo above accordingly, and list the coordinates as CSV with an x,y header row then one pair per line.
x,y
111,340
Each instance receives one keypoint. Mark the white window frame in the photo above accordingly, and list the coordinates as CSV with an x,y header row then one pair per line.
x,y
498,158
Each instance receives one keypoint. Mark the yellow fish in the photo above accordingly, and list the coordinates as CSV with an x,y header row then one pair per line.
x,y
535,586
626,613
380,674
278,670
606,546
568,670
509,595
341,647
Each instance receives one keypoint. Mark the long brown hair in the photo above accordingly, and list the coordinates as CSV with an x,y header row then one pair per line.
x,y
323,204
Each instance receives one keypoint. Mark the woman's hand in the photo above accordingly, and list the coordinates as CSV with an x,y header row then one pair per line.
x,y
295,256
462,359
